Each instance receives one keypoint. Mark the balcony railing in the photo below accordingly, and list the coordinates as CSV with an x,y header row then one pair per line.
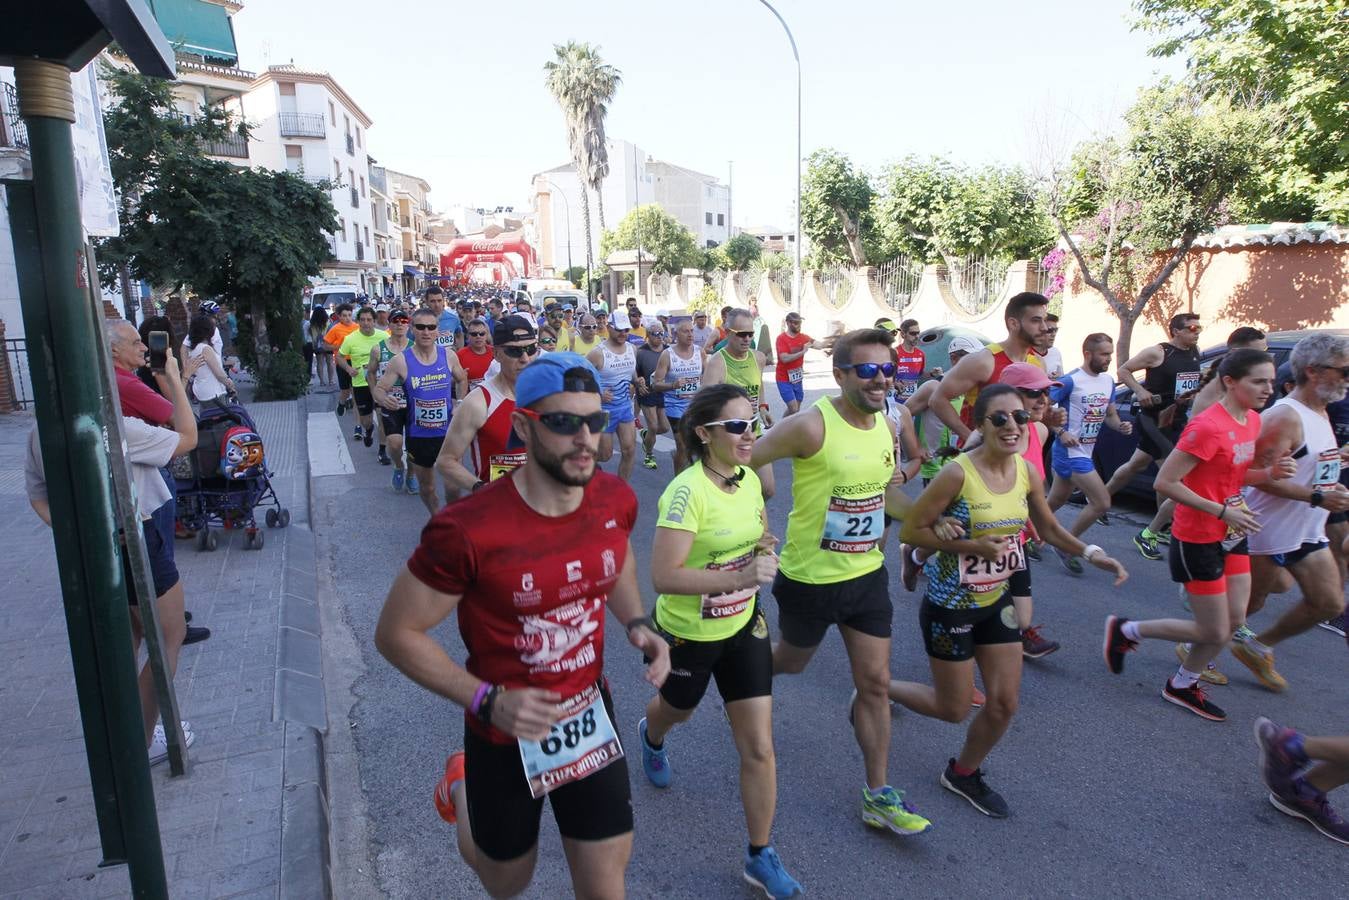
x,y
295,124
351,146
355,198
360,251
404,221
13,131
235,146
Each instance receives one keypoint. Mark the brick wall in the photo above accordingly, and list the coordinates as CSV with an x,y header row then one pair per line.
x,y
7,398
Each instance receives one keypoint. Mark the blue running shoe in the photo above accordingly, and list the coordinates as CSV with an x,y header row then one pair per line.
x,y
766,873
655,763
397,479
412,484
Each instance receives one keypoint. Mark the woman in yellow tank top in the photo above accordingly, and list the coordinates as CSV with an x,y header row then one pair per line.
x,y
967,615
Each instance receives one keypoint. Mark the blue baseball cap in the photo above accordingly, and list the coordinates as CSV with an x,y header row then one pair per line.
x,y
556,373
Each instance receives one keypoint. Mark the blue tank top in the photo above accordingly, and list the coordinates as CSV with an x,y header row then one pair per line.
x,y
430,394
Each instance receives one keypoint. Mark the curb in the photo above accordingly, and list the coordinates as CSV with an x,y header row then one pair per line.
x,y
299,701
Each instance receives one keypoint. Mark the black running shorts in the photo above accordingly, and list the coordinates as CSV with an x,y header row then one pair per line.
x,y
393,421
505,817
805,611
952,634
1019,584
423,450
741,663
365,401
343,379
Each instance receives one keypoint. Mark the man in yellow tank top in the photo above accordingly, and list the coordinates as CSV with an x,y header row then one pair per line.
x,y
844,479
738,363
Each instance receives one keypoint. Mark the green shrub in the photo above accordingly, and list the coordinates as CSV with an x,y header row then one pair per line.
x,y
281,376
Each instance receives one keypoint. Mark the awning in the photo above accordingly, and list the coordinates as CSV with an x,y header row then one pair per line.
x,y
413,271
193,26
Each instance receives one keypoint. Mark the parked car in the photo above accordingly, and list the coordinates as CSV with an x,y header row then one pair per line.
x,y
1114,449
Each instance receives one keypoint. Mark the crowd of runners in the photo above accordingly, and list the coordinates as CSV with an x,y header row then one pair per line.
x,y
513,410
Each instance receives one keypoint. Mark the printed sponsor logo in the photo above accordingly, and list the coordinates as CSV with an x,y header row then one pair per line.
x,y
679,504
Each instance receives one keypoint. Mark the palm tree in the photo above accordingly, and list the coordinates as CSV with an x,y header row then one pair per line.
x,y
583,85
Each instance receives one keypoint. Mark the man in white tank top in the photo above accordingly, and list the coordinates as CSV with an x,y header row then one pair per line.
x,y
1292,513
680,371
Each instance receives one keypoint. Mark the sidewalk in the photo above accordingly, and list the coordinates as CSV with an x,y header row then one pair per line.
x,y
250,818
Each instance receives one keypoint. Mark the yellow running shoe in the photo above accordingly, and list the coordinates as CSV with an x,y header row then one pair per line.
x,y
1210,673
1261,665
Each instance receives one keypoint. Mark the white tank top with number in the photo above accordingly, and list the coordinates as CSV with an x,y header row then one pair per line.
x,y
1286,525
690,372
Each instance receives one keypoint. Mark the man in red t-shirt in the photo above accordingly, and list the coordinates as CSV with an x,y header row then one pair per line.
x,y
791,347
128,353
477,356
529,562
910,360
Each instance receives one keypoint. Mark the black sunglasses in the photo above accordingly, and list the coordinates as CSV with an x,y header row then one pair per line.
x,y
732,426
548,342
1030,394
867,371
746,335
517,352
567,424
999,419
477,334
422,326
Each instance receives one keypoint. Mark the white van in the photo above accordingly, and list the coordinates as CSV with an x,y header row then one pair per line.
x,y
330,294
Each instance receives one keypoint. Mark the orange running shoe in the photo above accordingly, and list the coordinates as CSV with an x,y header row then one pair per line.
x,y
454,772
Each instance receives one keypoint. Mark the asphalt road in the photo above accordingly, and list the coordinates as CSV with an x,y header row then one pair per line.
x,y
1113,791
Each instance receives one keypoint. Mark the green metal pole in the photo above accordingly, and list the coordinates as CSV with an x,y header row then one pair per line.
x,y
74,440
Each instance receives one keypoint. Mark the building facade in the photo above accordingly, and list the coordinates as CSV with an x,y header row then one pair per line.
x,y
420,257
701,203
304,122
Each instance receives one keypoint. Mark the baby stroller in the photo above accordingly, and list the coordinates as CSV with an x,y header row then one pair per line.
x,y
226,478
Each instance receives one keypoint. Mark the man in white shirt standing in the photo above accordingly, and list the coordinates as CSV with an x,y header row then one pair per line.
x,y
1052,357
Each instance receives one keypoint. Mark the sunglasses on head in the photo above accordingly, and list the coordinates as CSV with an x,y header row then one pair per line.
x,y
867,371
567,424
518,352
1032,394
424,326
999,419
732,426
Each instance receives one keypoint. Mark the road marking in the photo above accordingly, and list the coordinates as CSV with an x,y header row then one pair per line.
x,y
327,447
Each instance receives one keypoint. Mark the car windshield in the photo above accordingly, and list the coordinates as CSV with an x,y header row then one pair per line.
x,y
335,297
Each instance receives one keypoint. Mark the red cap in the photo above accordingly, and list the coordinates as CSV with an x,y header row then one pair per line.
x,y
1027,375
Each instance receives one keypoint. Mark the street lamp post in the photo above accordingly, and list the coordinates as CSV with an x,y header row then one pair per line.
x,y
796,265
566,205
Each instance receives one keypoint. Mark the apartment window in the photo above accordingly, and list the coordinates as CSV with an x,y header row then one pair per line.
x,y
342,227
287,88
332,112
362,185
367,234
337,171
721,219
358,135
351,177
294,158
346,123
708,218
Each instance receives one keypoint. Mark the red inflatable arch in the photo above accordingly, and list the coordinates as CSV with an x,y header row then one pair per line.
x,y
508,252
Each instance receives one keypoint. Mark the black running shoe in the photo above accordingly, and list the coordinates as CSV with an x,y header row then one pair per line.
x,y
384,459
1195,700
369,437
195,634
1116,644
341,407
974,789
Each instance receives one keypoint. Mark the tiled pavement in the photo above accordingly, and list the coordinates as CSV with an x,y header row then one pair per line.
x,y
249,820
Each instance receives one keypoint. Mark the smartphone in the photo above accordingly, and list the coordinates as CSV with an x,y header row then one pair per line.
x,y
158,343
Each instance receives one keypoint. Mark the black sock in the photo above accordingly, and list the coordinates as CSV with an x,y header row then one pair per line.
x,y
755,850
653,745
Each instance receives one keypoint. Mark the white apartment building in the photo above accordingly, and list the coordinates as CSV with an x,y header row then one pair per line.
x,y
420,255
700,202
305,123
387,232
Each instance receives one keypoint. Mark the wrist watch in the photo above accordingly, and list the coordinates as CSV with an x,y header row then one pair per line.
x,y
1317,498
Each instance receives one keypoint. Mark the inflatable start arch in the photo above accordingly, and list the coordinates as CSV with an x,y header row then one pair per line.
x,y
505,256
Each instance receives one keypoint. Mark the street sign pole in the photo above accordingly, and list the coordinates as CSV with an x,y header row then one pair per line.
x,y
63,335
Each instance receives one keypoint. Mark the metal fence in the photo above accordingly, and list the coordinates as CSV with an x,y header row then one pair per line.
x,y
16,360
898,281
838,284
977,282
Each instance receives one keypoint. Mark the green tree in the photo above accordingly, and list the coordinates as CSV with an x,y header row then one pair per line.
x,y
575,275
250,236
742,250
1130,207
936,210
660,236
1289,57
836,211
583,86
